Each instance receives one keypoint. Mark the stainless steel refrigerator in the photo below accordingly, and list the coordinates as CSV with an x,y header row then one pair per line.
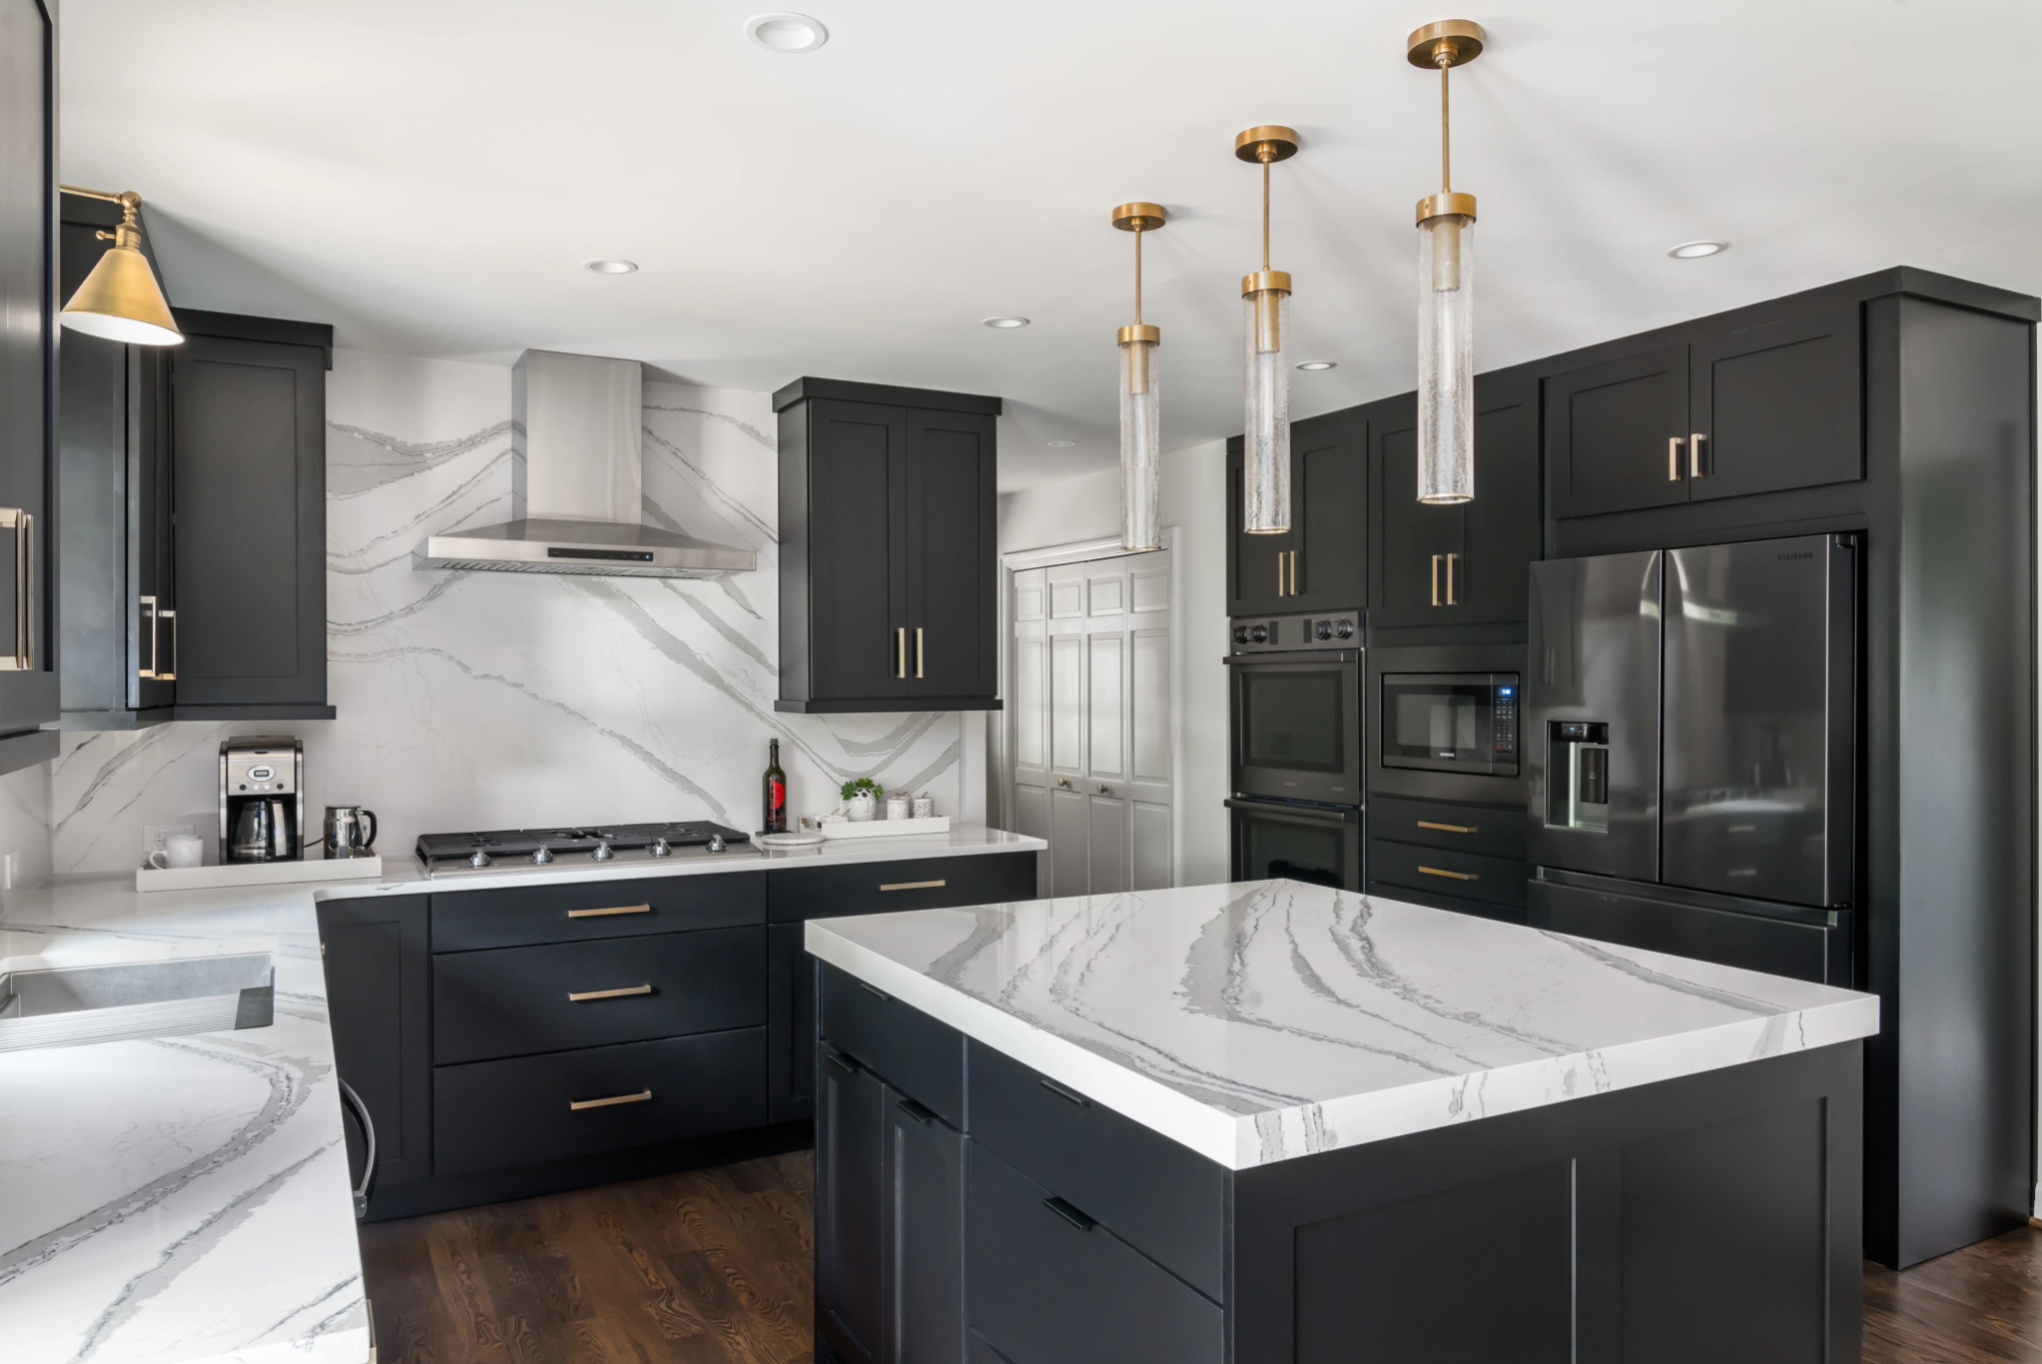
x,y
1691,721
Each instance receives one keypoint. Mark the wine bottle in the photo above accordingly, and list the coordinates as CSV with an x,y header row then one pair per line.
x,y
776,793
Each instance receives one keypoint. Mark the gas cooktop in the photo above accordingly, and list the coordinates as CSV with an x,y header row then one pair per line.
x,y
592,847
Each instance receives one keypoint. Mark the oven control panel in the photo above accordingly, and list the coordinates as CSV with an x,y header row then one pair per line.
x,y
1288,634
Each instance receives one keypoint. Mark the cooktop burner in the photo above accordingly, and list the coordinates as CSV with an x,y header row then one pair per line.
x,y
594,844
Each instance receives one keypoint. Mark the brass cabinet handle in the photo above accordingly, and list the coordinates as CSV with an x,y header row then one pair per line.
x,y
1435,579
1452,596
900,668
1694,455
606,913
169,674
574,998
23,525
1449,828
1293,573
1279,573
914,885
576,1105
148,605
1450,875
1673,444
918,651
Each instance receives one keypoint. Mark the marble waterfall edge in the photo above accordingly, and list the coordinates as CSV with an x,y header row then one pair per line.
x,y
1264,1021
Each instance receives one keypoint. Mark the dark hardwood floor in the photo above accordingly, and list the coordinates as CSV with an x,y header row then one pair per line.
x,y
713,1266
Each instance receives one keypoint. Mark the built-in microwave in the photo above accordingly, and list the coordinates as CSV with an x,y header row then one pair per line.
x,y
1450,722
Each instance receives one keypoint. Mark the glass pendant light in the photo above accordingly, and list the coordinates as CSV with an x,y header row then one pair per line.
x,y
1141,432
1265,310
120,299
1446,291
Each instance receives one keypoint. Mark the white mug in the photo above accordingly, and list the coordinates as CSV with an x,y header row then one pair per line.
x,y
178,850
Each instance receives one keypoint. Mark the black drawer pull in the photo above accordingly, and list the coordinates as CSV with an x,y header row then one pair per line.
x,y
845,1064
1451,875
1062,1093
874,989
916,1111
1449,828
1069,1213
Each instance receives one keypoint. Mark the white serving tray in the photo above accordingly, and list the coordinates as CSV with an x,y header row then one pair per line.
x,y
884,828
234,874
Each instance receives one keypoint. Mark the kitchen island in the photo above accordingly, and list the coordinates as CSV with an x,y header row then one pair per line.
x,y
1275,1121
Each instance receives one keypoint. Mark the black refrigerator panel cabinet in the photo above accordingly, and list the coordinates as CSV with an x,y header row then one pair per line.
x,y
1760,665
888,572
1590,734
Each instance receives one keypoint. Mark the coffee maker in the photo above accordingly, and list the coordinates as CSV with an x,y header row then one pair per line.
x,y
262,799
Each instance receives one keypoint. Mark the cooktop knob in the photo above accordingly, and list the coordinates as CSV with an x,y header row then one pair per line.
x,y
1258,634
1322,629
478,858
602,852
542,856
716,843
660,848
1240,634
1344,629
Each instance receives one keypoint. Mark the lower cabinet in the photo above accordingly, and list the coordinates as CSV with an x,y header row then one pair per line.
x,y
1469,858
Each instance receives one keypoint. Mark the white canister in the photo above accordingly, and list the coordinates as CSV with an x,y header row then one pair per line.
x,y
861,806
897,807
924,808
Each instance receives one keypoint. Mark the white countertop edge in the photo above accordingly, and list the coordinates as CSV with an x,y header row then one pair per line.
x,y
348,1346
1154,1105
834,853
1244,1142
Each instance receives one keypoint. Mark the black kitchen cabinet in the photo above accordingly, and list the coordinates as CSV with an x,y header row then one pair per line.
x,y
375,951
1321,562
850,1210
1761,407
28,373
922,1172
249,476
1464,563
887,540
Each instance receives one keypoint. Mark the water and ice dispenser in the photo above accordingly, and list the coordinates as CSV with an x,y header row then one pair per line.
x,y
1578,756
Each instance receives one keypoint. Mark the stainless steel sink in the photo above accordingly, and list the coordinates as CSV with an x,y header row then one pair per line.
x,y
68,1006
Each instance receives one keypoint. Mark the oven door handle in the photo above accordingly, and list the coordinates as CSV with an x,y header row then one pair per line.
x,y
1320,814
1296,657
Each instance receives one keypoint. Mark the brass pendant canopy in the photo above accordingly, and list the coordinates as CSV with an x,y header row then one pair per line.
x,y
1265,305
1446,289
1141,412
120,299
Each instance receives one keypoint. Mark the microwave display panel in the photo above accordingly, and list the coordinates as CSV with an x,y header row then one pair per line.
x,y
1451,722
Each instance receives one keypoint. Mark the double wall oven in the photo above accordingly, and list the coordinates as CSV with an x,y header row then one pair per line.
x,y
1296,746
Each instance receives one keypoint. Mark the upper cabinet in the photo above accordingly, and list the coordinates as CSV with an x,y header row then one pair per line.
x,y
1763,408
1321,562
888,544
28,251
1465,563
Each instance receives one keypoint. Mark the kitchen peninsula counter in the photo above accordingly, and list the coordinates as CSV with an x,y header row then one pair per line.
x,y
1246,1122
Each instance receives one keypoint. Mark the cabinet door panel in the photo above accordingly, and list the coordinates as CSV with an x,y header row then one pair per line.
x,y
857,554
951,546
1413,538
250,475
850,1210
1607,429
924,1236
1256,581
376,961
790,1025
1492,581
1329,505
1778,406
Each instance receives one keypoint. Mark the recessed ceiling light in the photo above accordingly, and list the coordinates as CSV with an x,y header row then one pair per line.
x,y
783,31
1696,250
1006,324
610,267
1061,444
1314,366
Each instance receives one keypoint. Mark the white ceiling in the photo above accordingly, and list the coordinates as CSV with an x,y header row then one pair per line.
x,y
428,175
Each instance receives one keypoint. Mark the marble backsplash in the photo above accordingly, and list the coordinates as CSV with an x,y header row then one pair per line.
x,y
493,700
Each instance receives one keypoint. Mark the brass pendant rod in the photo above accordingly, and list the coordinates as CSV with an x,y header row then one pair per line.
x,y
1265,207
1446,160
1137,277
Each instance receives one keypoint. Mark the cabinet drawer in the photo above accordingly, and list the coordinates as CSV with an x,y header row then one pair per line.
x,y
497,1113
1165,1199
465,921
920,883
1485,829
512,1001
1492,880
917,1055
1044,1288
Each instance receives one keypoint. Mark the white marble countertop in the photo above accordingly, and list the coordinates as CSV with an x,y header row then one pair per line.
x,y
187,1199
1262,1021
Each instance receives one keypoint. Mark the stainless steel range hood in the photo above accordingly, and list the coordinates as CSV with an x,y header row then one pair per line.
x,y
576,484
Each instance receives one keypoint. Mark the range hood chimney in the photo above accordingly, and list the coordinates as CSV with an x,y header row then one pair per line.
x,y
577,484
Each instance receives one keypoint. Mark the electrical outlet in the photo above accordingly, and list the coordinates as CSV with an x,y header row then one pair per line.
x,y
154,835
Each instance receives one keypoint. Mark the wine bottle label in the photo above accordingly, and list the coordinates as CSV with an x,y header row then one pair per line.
x,y
779,794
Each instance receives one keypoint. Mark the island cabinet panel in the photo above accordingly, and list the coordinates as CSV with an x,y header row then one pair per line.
x,y
1048,1284
378,996
922,1171
905,1046
1163,1198
850,1208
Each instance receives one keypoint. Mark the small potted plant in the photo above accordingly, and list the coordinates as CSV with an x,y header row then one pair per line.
x,y
862,797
